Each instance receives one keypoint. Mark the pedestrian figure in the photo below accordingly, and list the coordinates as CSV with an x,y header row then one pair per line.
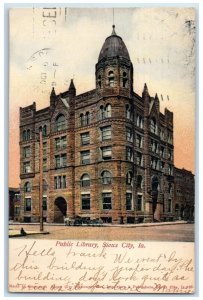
x,y
22,232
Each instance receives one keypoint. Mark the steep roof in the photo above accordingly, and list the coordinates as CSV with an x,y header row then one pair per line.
x,y
113,46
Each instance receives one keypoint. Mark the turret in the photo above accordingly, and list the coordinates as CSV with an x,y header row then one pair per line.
x,y
72,89
114,70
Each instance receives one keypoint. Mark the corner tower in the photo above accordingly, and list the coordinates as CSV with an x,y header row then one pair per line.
x,y
114,70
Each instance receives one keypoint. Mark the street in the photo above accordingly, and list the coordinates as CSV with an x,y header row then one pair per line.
x,y
172,232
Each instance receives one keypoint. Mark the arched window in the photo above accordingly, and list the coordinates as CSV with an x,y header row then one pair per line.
x,y
28,134
153,125
106,177
105,112
101,113
85,180
129,178
87,118
108,110
27,187
60,122
81,119
128,112
24,135
99,81
139,182
111,79
44,130
125,79
40,129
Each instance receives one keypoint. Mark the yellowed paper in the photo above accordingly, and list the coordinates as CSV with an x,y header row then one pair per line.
x,y
98,267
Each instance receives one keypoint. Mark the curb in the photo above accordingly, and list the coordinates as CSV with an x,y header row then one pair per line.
x,y
33,233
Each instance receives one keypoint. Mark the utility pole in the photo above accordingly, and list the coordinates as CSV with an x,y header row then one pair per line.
x,y
40,182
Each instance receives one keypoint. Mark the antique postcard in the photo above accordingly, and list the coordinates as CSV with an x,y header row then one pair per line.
x,y
101,149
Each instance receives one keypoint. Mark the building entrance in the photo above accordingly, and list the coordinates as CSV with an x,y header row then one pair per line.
x,y
60,209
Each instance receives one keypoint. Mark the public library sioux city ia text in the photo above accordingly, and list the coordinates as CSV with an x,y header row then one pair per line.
x,y
106,154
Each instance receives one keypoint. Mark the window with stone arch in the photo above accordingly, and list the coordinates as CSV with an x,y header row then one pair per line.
x,y
108,110
125,79
106,177
153,125
129,112
87,116
105,111
139,182
82,120
24,135
111,78
85,180
99,81
27,187
44,130
129,178
28,134
60,123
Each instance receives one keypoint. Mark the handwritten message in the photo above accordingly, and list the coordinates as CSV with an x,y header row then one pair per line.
x,y
100,267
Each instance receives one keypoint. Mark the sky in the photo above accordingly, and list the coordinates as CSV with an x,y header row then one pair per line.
x,y
50,46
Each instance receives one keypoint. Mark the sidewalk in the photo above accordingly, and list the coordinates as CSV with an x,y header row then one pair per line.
x,y
16,233
106,225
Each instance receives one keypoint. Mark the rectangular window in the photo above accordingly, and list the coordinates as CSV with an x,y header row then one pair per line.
x,y
155,163
129,201
61,160
170,155
162,165
26,151
129,154
85,202
139,121
28,203
61,143
60,182
57,143
139,202
106,200
139,141
17,210
106,133
44,203
57,161
85,157
26,167
85,138
44,164
162,151
139,159
106,153
170,170
129,134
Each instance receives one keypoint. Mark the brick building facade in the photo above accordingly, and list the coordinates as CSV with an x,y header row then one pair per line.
x,y
184,194
107,153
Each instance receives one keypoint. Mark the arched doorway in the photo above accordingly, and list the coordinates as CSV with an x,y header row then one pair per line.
x,y
155,188
60,209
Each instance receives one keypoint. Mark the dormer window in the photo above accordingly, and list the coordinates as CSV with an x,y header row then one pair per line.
x,y
111,78
125,79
